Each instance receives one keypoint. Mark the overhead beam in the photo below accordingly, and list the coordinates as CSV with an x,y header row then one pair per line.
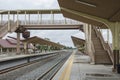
x,y
49,27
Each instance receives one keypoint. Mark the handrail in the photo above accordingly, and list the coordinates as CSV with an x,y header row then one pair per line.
x,y
93,48
3,29
49,22
110,51
100,37
105,46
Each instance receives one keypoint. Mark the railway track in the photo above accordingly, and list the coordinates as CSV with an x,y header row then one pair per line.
x,y
42,69
49,73
23,65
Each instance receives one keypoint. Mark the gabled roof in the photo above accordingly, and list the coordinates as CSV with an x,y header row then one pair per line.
x,y
38,40
10,43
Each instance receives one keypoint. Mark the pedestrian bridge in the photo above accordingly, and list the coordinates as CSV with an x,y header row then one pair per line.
x,y
34,19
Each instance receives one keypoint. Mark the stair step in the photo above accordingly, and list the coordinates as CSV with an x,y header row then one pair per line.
x,y
101,55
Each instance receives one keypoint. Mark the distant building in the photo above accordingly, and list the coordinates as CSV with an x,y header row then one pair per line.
x,y
9,45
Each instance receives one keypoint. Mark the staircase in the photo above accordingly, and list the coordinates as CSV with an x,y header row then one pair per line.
x,y
4,28
102,54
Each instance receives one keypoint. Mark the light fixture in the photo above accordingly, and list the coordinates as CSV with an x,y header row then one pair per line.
x,y
85,3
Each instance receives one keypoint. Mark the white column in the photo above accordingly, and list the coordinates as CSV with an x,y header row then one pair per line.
x,y
86,37
108,35
8,20
7,50
65,21
17,18
1,18
38,17
29,18
52,17
41,18
13,17
89,36
25,18
18,43
25,47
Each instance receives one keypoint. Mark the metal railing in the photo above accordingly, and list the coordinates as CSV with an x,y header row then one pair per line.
x,y
33,22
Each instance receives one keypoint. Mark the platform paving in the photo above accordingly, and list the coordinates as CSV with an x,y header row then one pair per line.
x,y
83,70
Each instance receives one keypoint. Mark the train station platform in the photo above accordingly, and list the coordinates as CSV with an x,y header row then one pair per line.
x,y
5,57
78,67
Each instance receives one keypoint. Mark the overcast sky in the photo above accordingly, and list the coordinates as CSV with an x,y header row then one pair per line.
x,y
62,36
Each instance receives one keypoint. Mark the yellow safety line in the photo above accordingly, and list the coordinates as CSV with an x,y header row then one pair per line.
x,y
66,72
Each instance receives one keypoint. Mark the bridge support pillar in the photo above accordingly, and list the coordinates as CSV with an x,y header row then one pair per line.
x,y
87,30
25,47
18,43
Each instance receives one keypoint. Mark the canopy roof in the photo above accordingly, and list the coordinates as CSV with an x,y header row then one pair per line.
x,y
77,41
105,9
38,40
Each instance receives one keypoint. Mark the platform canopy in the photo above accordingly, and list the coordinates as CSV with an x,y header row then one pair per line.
x,y
41,41
77,41
100,9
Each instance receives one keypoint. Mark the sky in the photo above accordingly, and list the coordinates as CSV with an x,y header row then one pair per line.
x,y
61,36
